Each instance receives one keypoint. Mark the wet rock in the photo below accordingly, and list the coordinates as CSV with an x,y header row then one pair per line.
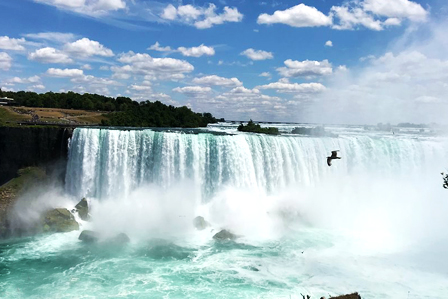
x,y
83,209
200,223
59,220
121,238
224,235
89,236
350,296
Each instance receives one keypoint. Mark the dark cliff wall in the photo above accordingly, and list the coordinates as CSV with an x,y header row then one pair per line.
x,y
31,146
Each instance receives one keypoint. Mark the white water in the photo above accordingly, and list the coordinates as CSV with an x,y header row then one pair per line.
x,y
375,222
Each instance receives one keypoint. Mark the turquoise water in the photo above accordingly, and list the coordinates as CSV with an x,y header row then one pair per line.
x,y
374,223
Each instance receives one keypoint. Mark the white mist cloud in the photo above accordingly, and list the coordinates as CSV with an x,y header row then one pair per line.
x,y
407,83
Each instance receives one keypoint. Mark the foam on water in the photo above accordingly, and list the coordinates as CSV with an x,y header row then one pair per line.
x,y
374,222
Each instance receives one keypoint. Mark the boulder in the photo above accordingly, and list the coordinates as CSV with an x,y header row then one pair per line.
x,y
200,223
121,238
83,209
59,220
224,235
89,236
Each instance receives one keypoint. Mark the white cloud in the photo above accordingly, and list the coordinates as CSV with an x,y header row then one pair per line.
x,y
392,22
157,47
49,55
201,18
86,48
52,36
266,74
241,90
307,68
297,16
214,80
14,44
349,18
188,52
153,68
68,73
396,9
257,54
197,51
37,87
5,61
88,7
193,90
286,87
86,67
33,79
329,43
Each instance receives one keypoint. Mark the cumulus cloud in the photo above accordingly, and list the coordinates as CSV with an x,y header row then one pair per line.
x,y
64,73
188,52
152,68
214,80
32,79
371,14
197,51
193,91
286,87
86,48
159,48
329,43
307,68
404,9
376,14
5,61
49,55
257,54
201,18
88,7
13,44
297,16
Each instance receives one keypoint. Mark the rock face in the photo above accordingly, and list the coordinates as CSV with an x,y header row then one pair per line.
x,y
200,223
89,236
350,296
224,235
83,209
59,220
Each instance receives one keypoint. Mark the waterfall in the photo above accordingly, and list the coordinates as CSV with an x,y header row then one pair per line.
x,y
105,162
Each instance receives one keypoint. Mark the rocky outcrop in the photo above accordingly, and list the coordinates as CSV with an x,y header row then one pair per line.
x,y
89,236
224,235
59,220
350,296
32,146
200,223
83,209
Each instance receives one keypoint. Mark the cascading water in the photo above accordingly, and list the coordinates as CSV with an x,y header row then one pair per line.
x,y
374,222
104,163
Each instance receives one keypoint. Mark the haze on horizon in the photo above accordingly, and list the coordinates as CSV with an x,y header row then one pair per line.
x,y
361,61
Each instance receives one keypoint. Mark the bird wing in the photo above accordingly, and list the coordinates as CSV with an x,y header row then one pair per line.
x,y
329,161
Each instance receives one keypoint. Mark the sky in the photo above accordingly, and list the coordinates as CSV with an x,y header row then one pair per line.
x,y
320,61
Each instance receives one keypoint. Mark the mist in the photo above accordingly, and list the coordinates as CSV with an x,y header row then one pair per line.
x,y
406,82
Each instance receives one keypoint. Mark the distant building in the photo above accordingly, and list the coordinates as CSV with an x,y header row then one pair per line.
x,y
6,101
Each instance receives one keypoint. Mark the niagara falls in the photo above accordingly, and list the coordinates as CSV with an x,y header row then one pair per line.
x,y
223,149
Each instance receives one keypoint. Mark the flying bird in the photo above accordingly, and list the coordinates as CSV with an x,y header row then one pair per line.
x,y
334,155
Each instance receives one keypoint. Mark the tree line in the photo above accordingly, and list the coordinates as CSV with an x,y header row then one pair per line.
x,y
124,111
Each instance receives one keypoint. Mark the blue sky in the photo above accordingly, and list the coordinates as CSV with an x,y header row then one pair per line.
x,y
361,61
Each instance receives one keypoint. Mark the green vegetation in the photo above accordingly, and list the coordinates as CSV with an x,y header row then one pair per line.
x,y
26,176
317,131
156,114
256,128
445,180
124,111
6,116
